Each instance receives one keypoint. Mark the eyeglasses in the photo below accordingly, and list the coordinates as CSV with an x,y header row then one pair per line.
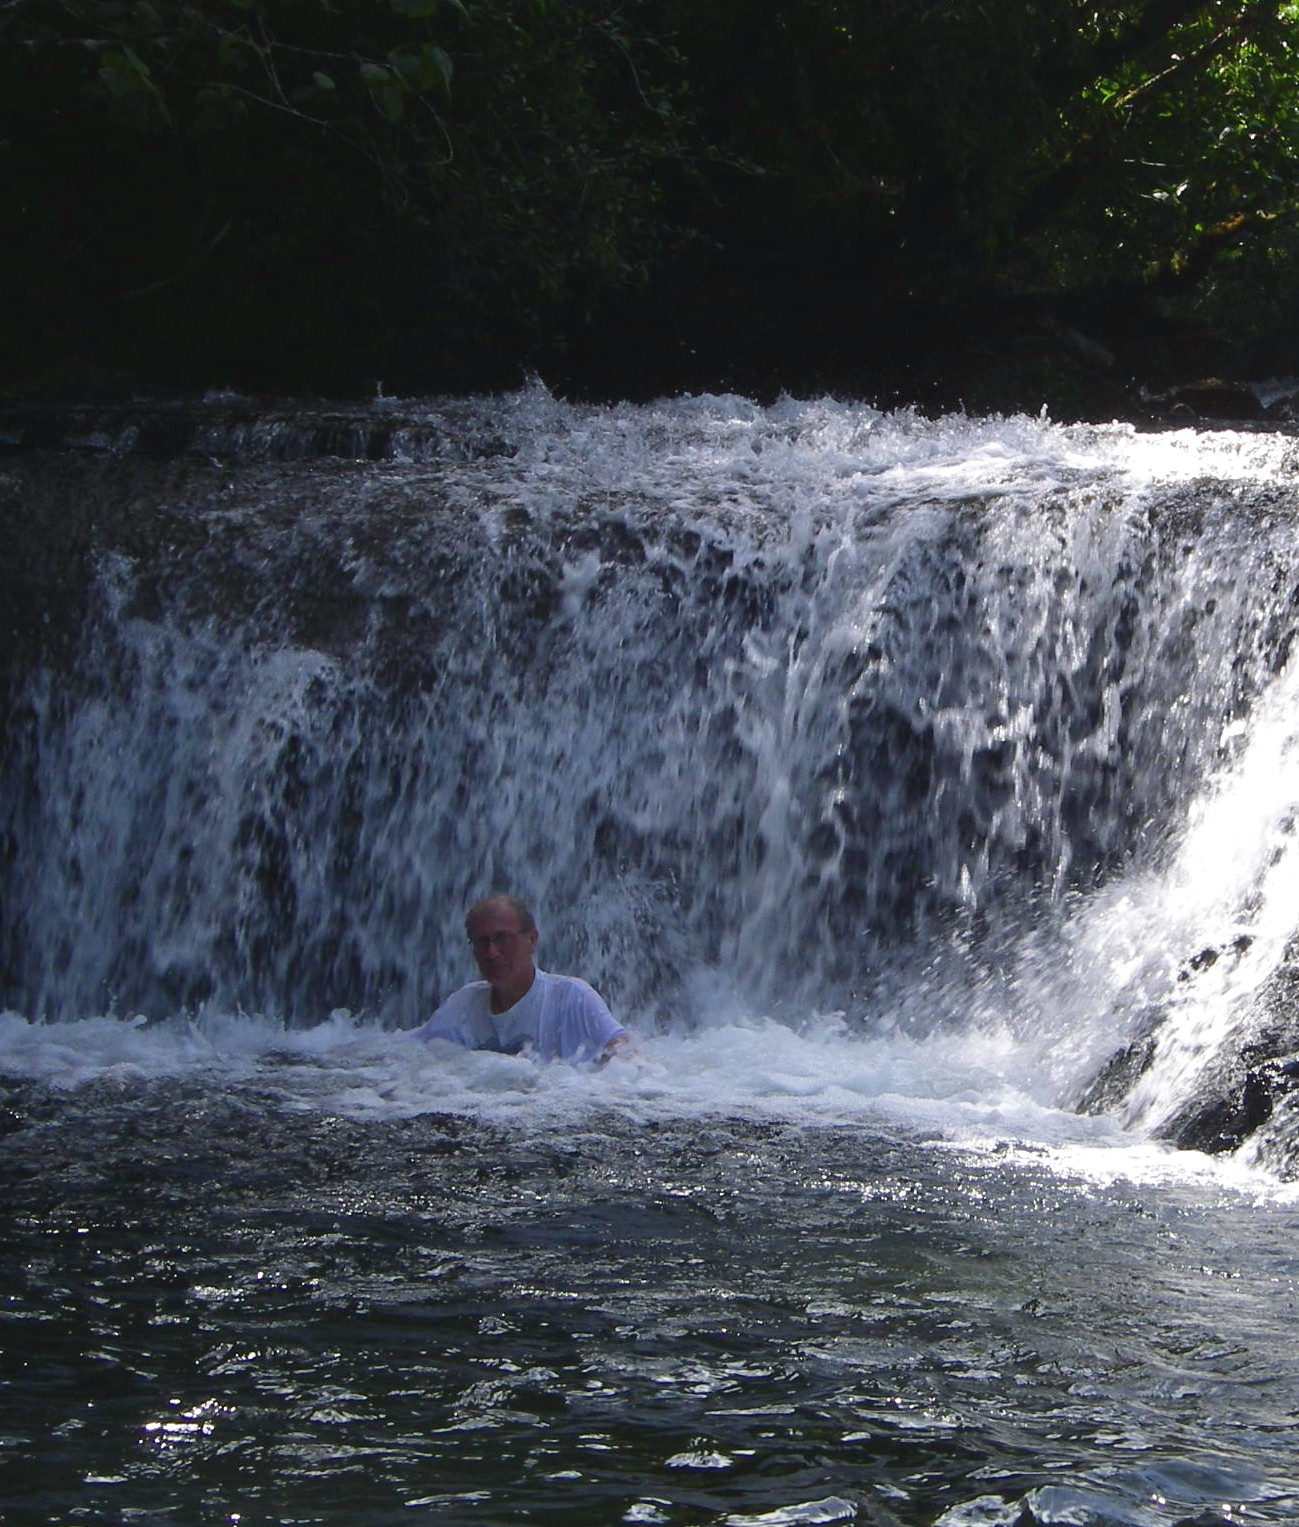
x,y
480,943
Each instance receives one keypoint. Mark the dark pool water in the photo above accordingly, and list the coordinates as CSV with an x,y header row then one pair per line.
x,y
219,1309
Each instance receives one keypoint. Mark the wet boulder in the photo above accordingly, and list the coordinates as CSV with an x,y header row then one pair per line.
x,y
1211,398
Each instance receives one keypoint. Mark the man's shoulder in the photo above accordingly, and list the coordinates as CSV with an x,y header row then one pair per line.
x,y
467,1002
468,1005
571,986
471,995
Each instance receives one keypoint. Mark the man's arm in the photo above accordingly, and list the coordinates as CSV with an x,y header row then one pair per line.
x,y
620,1044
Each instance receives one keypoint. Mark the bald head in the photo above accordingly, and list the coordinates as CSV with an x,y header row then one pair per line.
x,y
499,902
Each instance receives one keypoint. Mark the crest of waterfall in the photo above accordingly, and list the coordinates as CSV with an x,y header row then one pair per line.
x,y
795,709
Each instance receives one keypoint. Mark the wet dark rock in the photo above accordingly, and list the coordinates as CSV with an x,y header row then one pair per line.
x,y
1246,1099
1246,1085
1086,349
1243,1089
279,430
1122,1071
1128,1065
1212,398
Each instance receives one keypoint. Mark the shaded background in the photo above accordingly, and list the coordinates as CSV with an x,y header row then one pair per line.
x,y
990,205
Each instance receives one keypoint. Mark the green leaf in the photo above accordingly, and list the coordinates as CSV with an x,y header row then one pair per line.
x,y
323,81
441,61
125,73
425,68
392,101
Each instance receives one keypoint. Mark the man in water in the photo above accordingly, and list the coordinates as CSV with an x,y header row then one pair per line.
x,y
517,1008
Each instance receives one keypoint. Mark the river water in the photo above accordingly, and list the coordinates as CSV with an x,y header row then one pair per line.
x,y
886,775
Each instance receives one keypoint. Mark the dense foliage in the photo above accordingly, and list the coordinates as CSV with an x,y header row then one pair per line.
x,y
443,193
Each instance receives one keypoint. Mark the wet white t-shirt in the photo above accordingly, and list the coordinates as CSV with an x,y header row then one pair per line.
x,y
557,1018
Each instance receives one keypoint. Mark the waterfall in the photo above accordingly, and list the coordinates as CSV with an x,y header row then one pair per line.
x,y
802,709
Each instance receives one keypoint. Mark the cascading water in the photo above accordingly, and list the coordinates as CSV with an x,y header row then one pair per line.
x,y
792,705
906,785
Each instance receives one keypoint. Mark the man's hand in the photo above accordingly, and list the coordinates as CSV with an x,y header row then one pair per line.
x,y
619,1044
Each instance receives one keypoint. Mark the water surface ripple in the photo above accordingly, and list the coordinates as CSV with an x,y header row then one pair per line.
x,y
220,1310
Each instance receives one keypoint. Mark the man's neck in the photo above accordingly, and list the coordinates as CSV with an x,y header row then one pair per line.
x,y
504,998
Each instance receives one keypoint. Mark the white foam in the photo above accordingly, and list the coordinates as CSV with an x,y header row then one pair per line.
x,y
964,1092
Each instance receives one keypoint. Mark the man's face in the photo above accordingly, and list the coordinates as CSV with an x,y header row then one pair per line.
x,y
501,948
